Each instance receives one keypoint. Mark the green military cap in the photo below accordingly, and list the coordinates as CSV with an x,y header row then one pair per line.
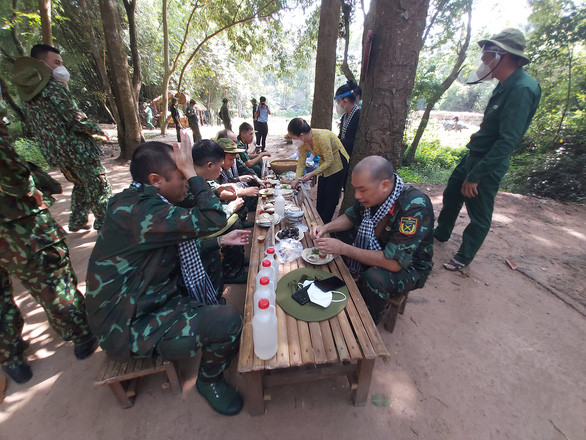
x,y
229,146
510,40
30,77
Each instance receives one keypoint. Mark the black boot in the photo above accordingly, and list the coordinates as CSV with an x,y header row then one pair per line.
x,y
20,372
85,349
221,396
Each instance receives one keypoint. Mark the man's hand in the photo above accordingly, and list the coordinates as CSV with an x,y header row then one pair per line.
x,y
318,231
228,187
330,245
236,204
469,189
251,191
246,178
238,237
183,158
38,196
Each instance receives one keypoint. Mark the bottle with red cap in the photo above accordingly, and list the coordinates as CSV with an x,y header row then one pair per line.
x,y
271,255
264,290
264,329
266,270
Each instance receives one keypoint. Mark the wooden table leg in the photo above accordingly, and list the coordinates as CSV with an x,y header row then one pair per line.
x,y
363,375
123,399
254,393
171,373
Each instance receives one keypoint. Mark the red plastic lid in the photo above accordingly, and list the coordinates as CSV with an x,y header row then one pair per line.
x,y
264,281
266,263
263,303
270,250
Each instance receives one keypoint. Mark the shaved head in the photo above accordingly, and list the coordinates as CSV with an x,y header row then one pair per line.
x,y
377,167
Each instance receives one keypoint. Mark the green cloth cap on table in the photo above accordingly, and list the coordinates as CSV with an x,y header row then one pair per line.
x,y
309,312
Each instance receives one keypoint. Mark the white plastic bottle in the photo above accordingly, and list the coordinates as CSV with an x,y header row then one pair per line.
x,y
279,203
266,270
271,255
264,330
264,291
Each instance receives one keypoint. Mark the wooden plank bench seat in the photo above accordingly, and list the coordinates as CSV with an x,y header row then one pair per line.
x,y
122,376
344,345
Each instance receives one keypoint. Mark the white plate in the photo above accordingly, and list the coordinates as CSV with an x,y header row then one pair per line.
x,y
299,237
310,258
276,220
266,192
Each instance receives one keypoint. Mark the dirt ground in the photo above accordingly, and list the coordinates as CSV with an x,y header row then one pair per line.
x,y
495,353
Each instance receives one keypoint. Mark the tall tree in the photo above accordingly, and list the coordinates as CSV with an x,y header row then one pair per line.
x,y
439,90
45,13
389,73
325,64
129,128
130,7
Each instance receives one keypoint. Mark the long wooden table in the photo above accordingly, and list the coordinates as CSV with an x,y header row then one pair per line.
x,y
347,344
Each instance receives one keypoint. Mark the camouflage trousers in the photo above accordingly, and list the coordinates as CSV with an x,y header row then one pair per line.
x,y
213,329
33,251
195,130
91,191
378,285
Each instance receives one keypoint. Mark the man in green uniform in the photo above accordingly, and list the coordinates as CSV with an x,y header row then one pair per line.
x,y
225,115
63,132
34,251
139,274
476,179
192,119
391,231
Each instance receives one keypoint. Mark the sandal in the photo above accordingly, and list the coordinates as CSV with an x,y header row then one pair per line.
x,y
453,266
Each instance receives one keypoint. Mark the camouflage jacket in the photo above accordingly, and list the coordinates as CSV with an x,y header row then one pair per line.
x,y
62,130
17,184
134,278
190,113
406,233
224,113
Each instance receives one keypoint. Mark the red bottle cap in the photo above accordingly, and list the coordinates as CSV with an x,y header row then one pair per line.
x,y
270,251
263,303
264,281
266,263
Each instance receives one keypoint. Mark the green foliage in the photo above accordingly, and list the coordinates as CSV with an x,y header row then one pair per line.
x,y
30,151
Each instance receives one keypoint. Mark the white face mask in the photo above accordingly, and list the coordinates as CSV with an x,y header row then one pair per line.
x,y
319,297
484,71
61,74
339,109
297,142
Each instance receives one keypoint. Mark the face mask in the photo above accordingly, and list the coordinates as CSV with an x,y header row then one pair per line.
x,y
319,297
297,143
484,71
61,74
339,109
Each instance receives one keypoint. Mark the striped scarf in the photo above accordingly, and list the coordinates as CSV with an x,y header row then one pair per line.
x,y
365,238
347,118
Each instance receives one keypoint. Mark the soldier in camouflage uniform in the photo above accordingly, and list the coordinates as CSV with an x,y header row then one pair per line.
x,y
192,119
224,115
64,133
34,251
398,258
136,301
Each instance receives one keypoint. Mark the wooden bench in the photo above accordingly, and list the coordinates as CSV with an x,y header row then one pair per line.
x,y
122,377
344,345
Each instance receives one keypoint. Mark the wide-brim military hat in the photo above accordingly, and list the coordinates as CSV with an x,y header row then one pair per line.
x,y
510,40
229,146
253,100
30,77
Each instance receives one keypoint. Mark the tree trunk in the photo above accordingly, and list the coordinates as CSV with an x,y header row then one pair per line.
x,y
346,10
387,84
100,63
410,154
45,13
129,128
130,7
325,65
167,75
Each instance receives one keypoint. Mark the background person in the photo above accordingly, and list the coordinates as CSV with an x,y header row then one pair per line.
x,y
175,117
262,124
245,140
192,119
347,106
333,161
224,115
63,132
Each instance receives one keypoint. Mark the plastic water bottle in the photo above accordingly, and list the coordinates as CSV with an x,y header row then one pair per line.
x,y
264,291
271,255
264,330
279,203
266,270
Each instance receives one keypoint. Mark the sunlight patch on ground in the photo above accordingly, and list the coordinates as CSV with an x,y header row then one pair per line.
x,y
501,218
545,241
15,401
575,234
